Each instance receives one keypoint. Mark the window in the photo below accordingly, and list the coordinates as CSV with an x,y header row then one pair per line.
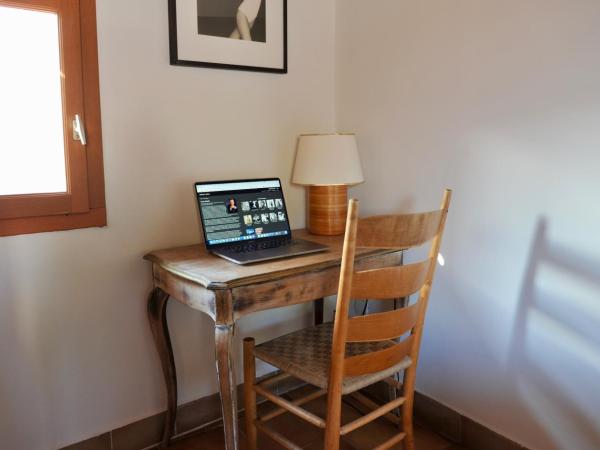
x,y
51,171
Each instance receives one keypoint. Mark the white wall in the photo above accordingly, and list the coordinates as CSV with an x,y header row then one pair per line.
x,y
77,354
499,100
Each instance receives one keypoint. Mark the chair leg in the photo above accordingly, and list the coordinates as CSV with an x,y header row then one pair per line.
x,y
407,424
332,427
249,393
408,391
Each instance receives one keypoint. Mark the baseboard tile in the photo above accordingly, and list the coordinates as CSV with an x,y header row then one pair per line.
x,y
145,434
438,417
205,412
448,423
101,442
458,428
477,436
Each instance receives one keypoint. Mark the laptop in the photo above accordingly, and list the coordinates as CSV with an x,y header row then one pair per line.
x,y
246,221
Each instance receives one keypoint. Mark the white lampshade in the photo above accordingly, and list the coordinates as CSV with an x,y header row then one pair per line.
x,y
327,160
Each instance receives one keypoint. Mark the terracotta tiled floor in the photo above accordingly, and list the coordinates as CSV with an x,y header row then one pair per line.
x,y
311,438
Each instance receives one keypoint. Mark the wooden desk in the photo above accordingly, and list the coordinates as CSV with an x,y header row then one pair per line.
x,y
226,291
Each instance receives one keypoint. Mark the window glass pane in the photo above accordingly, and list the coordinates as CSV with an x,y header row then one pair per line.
x,y
32,153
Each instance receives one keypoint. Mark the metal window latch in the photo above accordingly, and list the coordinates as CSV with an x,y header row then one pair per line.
x,y
79,130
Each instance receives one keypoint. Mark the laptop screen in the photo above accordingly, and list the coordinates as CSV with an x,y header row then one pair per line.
x,y
239,211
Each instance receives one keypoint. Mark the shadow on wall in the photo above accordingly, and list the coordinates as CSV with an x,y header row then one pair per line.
x,y
554,356
21,374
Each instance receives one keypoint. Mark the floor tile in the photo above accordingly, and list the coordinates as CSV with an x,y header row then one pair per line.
x,y
310,437
207,440
428,440
296,430
213,440
319,446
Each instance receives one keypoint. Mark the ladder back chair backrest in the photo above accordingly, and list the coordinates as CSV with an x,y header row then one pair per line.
x,y
400,232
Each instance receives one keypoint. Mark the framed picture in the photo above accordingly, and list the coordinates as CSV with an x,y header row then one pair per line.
x,y
229,34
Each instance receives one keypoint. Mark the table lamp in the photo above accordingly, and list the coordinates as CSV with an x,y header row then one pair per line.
x,y
327,164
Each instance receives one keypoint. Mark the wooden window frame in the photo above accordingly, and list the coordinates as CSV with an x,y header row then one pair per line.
x,y
84,205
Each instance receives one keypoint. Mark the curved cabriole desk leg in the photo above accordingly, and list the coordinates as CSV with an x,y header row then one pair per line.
x,y
227,383
157,315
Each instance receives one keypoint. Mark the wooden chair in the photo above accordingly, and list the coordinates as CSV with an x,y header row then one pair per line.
x,y
352,353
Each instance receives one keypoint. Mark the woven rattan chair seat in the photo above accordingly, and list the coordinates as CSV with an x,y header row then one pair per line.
x,y
306,354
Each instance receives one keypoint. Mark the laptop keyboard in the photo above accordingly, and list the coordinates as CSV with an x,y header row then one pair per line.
x,y
254,246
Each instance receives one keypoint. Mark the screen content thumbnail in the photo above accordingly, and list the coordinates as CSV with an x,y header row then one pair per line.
x,y
240,211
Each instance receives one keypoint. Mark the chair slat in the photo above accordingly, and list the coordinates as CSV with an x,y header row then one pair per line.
x,y
298,402
382,326
364,405
391,442
370,417
377,361
398,231
390,282
290,406
277,437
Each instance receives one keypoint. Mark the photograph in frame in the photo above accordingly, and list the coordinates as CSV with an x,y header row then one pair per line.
x,y
229,34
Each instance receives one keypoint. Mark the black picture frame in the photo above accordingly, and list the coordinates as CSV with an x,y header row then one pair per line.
x,y
174,57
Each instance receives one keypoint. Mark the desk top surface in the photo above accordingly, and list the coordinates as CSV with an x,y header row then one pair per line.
x,y
196,264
